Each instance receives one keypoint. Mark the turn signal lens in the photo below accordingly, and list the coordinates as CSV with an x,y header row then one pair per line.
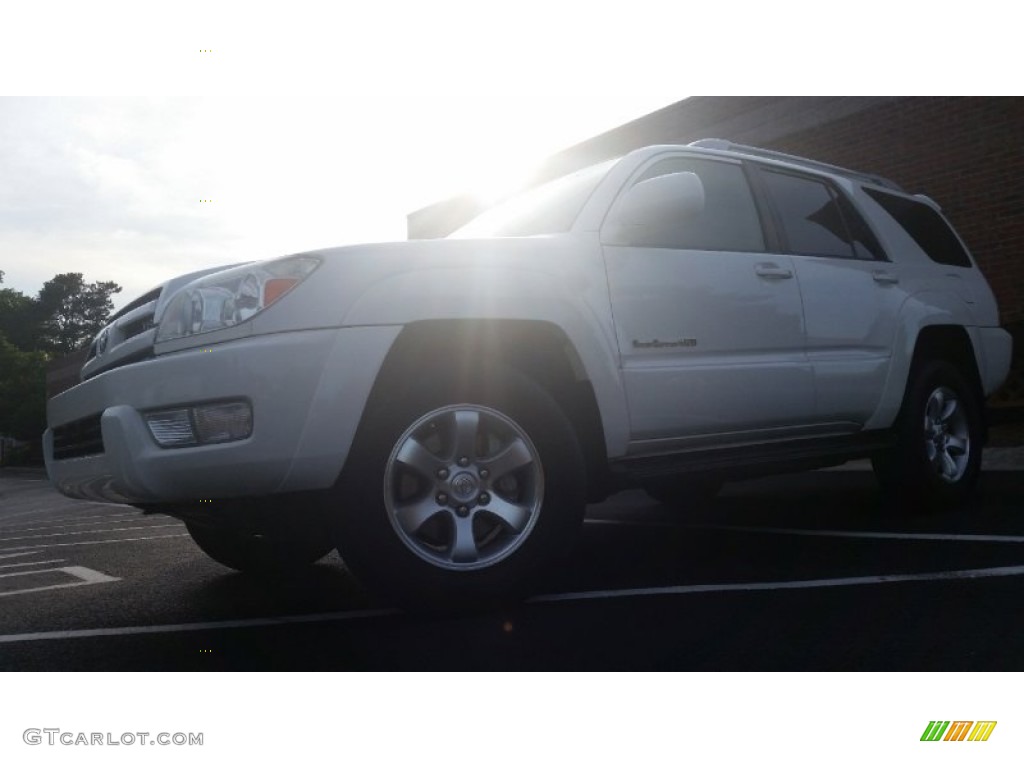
x,y
200,424
223,423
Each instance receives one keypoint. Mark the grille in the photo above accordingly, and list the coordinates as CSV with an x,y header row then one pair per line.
x,y
131,321
78,438
136,327
143,354
142,300
127,340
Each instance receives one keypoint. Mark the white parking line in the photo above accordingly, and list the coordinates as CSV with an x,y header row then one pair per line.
x,y
77,519
851,581
899,535
52,500
63,526
26,573
37,562
87,543
85,533
631,523
47,506
70,634
269,621
85,576
22,554
990,537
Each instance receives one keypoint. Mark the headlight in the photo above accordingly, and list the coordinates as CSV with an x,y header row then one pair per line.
x,y
231,297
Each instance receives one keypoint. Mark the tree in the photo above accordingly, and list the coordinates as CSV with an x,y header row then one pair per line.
x,y
17,319
71,311
65,315
22,392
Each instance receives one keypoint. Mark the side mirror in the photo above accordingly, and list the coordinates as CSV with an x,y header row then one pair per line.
x,y
655,204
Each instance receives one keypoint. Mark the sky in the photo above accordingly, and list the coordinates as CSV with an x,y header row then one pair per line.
x,y
140,141
139,189
283,135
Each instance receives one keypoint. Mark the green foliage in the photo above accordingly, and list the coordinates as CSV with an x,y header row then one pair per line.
x,y
65,315
22,392
71,311
17,315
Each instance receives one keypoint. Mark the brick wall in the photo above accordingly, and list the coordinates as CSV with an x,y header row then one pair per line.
x,y
64,372
966,153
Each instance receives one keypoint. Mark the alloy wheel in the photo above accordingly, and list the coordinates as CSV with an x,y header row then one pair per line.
x,y
947,439
463,487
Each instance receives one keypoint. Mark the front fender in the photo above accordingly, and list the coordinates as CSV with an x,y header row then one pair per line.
x,y
570,297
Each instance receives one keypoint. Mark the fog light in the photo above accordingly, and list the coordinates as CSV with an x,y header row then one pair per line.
x,y
171,428
201,424
224,422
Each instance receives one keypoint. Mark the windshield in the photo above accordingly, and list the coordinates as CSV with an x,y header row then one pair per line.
x,y
545,210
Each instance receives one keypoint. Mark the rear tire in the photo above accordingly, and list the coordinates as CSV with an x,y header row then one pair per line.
x,y
935,458
460,493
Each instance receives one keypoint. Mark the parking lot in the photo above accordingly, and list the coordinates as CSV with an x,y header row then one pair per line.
x,y
803,572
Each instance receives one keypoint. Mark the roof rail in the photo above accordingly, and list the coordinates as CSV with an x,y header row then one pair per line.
x,y
723,144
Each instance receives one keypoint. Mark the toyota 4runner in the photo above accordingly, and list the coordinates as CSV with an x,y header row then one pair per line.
x,y
441,411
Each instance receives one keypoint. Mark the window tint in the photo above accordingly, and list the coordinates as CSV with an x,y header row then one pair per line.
x,y
865,244
926,226
811,216
819,220
729,221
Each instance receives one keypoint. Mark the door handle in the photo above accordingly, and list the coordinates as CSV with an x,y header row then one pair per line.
x,y
887,278
772,271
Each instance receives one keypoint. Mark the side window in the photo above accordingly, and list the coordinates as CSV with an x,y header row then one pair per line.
x,y
729,221
923,223
865,244
817,220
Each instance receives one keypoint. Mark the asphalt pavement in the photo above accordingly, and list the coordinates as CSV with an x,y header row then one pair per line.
x,y
808,571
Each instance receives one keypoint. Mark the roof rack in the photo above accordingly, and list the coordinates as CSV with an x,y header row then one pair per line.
x,y
723,144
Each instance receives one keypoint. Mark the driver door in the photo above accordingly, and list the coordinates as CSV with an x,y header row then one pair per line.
x,y
709,324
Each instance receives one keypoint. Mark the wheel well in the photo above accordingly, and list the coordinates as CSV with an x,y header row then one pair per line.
x,y
952,344
537,349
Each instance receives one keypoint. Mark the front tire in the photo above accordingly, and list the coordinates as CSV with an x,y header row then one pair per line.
x,y
462,493
935,459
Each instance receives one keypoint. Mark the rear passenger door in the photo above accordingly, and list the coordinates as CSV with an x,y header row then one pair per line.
x,y
851,291
709,324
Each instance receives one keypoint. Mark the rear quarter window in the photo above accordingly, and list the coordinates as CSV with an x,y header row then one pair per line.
x,y
926,226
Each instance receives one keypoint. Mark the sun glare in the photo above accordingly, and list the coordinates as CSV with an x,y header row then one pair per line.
x,y
293,176
494,184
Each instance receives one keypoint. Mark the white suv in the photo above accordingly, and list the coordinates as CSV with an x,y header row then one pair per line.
x,y
442,410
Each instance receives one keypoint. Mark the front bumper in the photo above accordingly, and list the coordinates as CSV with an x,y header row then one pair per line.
x,y
307,390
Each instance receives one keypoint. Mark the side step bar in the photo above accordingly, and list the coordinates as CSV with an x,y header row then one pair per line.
x,y
753,460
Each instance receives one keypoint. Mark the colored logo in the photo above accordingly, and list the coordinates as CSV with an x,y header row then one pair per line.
x,y
959,730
